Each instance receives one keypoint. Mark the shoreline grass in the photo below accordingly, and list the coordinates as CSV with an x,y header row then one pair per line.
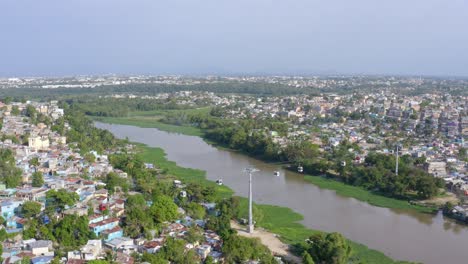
x,y
278,220
364,195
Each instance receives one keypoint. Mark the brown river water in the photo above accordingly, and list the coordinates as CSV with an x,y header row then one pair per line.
x,y
402,235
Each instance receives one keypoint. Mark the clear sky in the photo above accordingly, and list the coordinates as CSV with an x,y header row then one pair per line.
x,y
69,37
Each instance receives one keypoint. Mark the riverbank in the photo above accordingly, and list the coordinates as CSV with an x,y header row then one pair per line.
x,y
340,188
279,220
366,196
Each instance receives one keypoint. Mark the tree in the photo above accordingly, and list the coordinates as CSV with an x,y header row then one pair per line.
x,y
137,219
37,179
98,261
173,250
113,180
9,173
331,248
153,258
462,154
7,100
15,110
426,187
34,161
31,111
307,258
199,193
73,231
3,235
239,249
30,209
209,260
195,210
58,200
163,209
56,260
89,157
194,235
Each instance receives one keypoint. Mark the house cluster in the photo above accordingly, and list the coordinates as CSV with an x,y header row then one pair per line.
x,y
63,167
434,126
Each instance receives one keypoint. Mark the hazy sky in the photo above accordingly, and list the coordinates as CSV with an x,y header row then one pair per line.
x,y
67,37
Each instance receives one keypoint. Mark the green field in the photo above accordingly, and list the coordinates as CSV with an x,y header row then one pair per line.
x,y
279,220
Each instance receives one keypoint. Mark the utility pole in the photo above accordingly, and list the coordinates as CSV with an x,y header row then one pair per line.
x,y
251,225
397,157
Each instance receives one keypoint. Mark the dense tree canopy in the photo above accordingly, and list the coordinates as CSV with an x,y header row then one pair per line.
x,y
57,200
163,209
73,231
30,209
331,248
10,175
137,220
37,179
239,249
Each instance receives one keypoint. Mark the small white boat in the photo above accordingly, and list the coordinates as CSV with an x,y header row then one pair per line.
x,y
300,169
276,173
219,182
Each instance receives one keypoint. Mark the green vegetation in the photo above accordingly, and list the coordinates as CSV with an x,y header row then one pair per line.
x,y
173,251
137,221
58,200
361,194
37,179
34,161
70,232
329,248
30,209
163,209
10,175
240,249
112,181
73,231
83,133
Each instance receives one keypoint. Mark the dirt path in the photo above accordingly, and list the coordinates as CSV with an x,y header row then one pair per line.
x,y
268,239
440,201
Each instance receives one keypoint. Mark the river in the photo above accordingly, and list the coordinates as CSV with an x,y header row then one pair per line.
x,y
402,235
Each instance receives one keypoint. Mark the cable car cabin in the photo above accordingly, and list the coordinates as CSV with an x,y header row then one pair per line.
x,y
300,169
219,182
276,173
